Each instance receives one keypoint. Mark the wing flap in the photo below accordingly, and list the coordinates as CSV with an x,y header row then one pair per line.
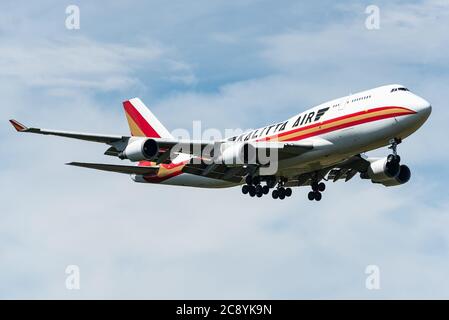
x,y
218,171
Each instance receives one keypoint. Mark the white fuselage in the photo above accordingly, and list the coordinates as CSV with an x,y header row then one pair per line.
x,y
339,129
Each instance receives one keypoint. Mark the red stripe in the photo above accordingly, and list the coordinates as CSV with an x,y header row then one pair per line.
x,y
156,179
343,125
140,121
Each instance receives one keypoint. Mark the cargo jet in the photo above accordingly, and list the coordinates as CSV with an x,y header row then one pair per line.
x,y
324,143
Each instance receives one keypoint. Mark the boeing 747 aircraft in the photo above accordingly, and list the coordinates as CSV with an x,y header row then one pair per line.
x,y
324,143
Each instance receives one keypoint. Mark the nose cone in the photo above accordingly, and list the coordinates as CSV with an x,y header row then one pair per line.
x,y
422,107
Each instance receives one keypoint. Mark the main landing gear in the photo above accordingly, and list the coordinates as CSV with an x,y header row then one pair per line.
x,y
281,192
317,189
254,188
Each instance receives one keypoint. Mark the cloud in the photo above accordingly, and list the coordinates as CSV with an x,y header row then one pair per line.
x,y
149,241
82,63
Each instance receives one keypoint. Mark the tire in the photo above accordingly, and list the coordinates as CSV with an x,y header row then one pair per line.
x,y
288,192
281,193
245,189
259,189
265,189
311,196
256,180
275,194
321,187
314,186
259,194
252,191
249,180
318,196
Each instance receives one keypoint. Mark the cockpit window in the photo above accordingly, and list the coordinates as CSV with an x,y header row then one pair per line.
x,y
399,89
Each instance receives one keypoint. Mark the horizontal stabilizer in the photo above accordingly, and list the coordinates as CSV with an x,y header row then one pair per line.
x,y
117,168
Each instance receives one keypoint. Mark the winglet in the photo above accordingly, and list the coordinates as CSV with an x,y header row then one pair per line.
x,y
18,126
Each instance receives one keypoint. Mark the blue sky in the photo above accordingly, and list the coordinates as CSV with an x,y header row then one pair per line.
x,y
230,65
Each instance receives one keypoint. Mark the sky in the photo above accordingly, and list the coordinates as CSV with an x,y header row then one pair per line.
x,y
230,65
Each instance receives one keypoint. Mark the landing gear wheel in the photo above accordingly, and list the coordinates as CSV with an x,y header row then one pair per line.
x,y
256,180
281,193
317,196
259,189
321,187
275,194
245,189
315,186
265,189
393,158
288,192
249,180
252,191
393,163
311,196
259,194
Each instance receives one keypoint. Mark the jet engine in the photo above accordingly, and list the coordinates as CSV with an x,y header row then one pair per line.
x,y
140,150
387,171
238,153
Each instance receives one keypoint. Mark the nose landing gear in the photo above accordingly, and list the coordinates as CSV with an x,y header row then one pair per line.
x,y
394,148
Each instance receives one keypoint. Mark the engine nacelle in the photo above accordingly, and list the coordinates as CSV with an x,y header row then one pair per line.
x,y
238,153
403,177
140,150
388,172
383,169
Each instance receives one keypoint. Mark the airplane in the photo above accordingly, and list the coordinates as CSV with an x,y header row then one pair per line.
x,y
325,143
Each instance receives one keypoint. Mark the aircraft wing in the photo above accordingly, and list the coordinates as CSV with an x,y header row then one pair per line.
x,y
344,170
348,169
140,170
235,173
109,139
169,146
117,142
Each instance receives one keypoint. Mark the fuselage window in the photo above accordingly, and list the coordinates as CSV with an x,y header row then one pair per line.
x,y
399,89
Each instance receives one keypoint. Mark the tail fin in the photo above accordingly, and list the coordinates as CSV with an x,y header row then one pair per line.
x,y
142,122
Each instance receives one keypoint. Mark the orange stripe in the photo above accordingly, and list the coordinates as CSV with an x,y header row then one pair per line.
x,y
339,123
133,127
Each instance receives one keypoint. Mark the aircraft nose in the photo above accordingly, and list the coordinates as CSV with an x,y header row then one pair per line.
x,y
422,107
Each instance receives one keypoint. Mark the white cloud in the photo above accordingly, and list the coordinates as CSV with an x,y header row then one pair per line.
x,y
79,62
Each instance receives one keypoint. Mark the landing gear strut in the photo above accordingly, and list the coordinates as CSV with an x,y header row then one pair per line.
x,y
394,148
